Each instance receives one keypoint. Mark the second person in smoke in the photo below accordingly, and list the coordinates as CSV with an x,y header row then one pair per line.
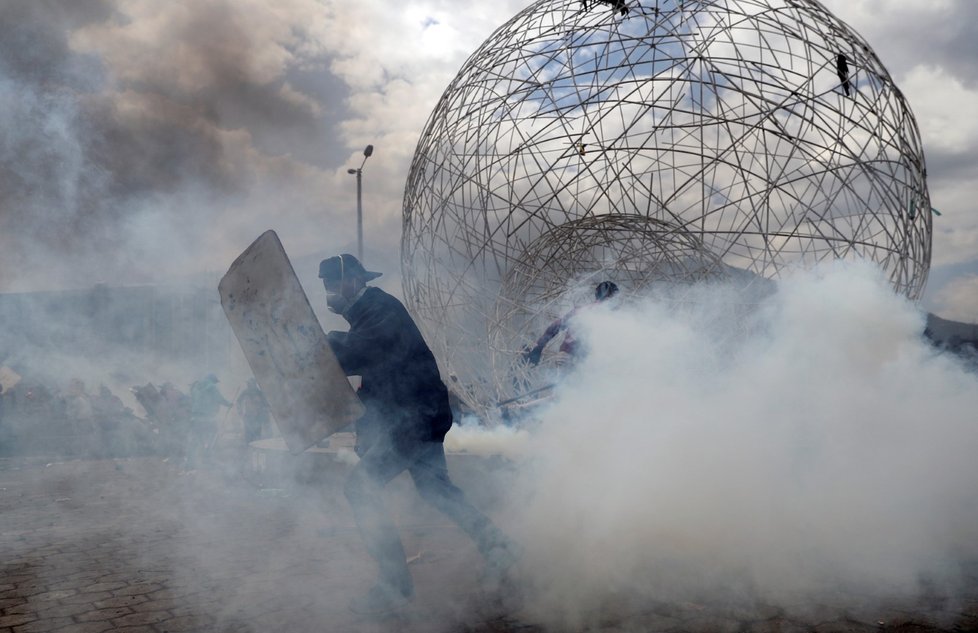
x,y
602,292
206,401
253,408
407,417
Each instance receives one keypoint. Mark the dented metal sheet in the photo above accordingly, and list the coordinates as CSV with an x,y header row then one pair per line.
x,y
307,391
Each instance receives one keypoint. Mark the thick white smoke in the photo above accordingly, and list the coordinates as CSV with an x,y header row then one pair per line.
x,y
820,442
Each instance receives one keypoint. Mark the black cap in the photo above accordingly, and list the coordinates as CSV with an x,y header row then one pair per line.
x,y
344,266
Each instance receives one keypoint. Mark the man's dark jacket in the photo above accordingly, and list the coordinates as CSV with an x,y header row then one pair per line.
x,y
400,384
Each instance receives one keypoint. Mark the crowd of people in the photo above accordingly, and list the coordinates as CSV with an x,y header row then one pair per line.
x,y
186,425
190,425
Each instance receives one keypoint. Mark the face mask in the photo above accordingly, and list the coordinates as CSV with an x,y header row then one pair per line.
x,y
336,302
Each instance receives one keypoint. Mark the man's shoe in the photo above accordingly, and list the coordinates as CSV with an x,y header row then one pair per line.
x,y
379,599
499,563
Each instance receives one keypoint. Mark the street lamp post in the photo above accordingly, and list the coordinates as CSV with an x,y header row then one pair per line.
x,y
359,173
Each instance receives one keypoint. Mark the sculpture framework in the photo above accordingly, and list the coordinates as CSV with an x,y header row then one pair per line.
x,y
650,142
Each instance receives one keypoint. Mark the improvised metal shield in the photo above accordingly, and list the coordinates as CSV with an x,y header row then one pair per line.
x,y
307,391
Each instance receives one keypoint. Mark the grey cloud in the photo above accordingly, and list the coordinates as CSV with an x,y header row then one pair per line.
x,y
907,35
222,64
33,48
948,167
952,42
85,150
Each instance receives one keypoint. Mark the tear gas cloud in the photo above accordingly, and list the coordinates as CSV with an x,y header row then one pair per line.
x,y
819,442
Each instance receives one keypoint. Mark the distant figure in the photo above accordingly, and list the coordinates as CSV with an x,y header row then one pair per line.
x,y
78,406
253,408
205,403
602,292
33,400
168,410
842,67
108,405
616,4
175,405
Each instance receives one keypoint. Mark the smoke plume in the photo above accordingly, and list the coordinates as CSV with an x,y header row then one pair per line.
x,y
141,141
820,443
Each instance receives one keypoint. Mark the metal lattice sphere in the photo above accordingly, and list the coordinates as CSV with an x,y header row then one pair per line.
x,y
648,142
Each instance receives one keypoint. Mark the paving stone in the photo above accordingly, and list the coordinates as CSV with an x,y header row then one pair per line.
x,y
134,629
710,624
53,595
813,613
163,604
11,602
188,609
82,598
87,627
84,575
909,627
18,580
135,590
101,615
61,585
237,626
44,552
125,577
845,626
746,613
26,591
43,625
104,586
875,616
119,601
777,625
939,619
184,623
648,622
967,622
16,619
63,610
135,619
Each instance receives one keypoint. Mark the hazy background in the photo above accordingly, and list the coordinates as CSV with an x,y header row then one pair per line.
x,y
144,141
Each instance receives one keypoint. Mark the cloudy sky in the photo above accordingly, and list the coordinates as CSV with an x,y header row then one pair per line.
x,y
146,140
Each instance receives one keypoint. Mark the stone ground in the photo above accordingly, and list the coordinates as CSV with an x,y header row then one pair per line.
x,y
133,545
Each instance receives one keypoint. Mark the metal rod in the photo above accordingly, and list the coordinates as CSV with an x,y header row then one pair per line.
x,y
360,214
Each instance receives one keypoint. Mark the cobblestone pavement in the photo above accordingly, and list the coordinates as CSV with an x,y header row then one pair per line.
x,y
134,546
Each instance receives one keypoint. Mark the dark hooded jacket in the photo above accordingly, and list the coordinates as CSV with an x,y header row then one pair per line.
x,y
400,384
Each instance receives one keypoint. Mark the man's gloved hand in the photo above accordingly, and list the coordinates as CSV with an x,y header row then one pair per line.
x,y
336,336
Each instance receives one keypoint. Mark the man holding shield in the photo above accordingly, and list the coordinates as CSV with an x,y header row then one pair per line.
x,y
407,417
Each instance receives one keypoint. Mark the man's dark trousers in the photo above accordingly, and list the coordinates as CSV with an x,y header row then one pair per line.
x,y
379,464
